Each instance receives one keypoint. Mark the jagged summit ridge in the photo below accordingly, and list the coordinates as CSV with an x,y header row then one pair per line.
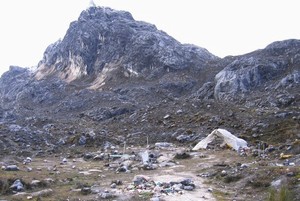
x,y
103,40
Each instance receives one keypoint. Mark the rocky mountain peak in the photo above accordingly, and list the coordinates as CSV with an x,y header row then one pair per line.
x,y
104,40
103,14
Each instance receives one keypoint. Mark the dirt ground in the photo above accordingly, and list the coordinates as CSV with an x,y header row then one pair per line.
x,y
216,174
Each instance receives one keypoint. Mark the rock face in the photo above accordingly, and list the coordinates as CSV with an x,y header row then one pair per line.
x,y
104,40
279,62
112,79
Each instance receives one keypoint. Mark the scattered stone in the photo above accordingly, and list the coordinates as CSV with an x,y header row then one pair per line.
x,y
145,157
14,128
210,190
155,199
188,188
285,156
88,156
17,185
183,138
36,183
82,140
95,189
243,166
182,155
106,195
122,169
99,157
27,160
139,179
86,190
12,168
163,144
223,173
42,193
113,185
117,182
276,183
29,169
167,116
188,182
49,180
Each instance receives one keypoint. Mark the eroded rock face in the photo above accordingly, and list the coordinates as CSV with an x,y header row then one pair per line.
x,y
279,62
103,40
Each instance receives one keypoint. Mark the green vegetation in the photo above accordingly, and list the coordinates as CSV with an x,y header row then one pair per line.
x,y
282,195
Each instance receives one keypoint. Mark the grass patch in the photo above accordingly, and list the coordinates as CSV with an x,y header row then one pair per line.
x,y
232,178
284,194
220,195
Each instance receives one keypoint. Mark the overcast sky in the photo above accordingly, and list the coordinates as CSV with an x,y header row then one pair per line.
x,y
223,27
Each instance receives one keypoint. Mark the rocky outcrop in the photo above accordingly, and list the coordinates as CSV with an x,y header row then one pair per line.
x,y
105,40
277,63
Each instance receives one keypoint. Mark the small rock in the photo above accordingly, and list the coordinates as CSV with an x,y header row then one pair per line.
x,y
167,116
113,185
117,182
182,155
188,188
177,187
183,138
11,168
35,183
163,144
179,112
210,190
155,199
86,190
29,169
290,174
243,166
139,179
82,140
42,193
17,185
130,187
223,173
122,169
276,183
64,160
106,195
27,160
187,182
49,180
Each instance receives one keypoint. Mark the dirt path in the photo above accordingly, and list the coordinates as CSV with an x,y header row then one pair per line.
x,y
199,193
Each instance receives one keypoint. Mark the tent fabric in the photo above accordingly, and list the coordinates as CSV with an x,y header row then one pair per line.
x,y
228,139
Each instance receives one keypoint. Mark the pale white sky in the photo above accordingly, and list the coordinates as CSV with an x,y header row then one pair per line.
x,y
223,27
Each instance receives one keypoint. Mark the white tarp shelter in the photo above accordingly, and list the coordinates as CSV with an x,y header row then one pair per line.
x,y
228,139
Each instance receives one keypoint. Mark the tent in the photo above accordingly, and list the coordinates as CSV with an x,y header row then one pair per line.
x,y
228,139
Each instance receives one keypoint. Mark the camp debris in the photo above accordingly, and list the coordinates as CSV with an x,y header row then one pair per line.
x,y
228,139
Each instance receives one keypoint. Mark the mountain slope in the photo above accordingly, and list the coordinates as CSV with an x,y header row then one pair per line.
x,y
115,79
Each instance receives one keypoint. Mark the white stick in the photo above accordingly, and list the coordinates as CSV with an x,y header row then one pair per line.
x,y
124,147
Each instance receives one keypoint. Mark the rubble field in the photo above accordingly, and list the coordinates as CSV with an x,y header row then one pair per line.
x,y
162,171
